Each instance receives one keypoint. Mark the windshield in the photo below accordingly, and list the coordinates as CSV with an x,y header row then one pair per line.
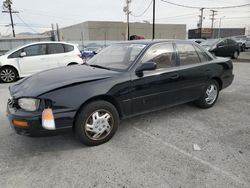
x,y
12,50
117,56
209,42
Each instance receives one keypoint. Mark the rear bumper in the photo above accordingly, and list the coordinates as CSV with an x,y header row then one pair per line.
x,y
64,122
227,80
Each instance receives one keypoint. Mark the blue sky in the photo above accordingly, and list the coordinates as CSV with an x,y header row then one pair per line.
x,y
38,15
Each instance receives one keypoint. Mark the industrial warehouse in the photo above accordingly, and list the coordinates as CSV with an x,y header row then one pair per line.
x,y
117,31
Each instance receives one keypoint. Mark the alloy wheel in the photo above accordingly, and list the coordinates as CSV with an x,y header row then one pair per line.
x,y
211,94
7,75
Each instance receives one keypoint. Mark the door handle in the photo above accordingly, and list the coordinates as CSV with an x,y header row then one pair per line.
x,y
174,76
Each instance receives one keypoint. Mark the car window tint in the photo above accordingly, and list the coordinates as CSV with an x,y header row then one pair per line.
x,y
55,48
68,48
202,55
38,49
222,43
229,41
187,54
161,54
15,54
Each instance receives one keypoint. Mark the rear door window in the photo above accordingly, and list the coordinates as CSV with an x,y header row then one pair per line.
x,y
231,42
55,48
187,54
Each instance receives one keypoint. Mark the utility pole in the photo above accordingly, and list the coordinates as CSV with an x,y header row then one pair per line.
x,y
53,32
127,12
212,25
58,32
7,4
201,20
153,37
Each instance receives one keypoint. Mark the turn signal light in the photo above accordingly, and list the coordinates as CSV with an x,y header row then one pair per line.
x,y
48,121
20,123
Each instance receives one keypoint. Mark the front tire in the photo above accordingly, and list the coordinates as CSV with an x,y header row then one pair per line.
x,y
209,96
96,123
8,74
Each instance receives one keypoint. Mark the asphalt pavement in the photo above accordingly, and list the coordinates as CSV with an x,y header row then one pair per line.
x,y
151,150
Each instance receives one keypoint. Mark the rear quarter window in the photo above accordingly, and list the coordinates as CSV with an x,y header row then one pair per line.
x,y
202,55
68,48
187,54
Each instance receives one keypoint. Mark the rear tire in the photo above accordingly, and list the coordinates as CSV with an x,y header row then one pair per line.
x,y
235,55
96,123
209,96
243,48
8,74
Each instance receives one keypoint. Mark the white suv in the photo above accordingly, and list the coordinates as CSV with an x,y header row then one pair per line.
x,y
32,58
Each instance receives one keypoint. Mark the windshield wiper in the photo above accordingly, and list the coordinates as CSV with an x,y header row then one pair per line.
x,y
99,66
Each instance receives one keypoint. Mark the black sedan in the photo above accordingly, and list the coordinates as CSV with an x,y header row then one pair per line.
x,y
222,47
123,80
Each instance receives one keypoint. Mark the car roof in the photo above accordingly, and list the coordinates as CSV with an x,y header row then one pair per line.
x,y
149,42
46,42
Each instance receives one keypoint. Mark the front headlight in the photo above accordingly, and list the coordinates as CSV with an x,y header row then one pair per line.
x,y
29,104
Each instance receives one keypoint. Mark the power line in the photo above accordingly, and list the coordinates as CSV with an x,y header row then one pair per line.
x,y
27,25
194,7
141,14
178,16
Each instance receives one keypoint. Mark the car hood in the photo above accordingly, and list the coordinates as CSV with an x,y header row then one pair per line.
x,y
52,79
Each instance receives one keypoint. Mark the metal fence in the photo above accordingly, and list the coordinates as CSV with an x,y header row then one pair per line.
x,y
7,44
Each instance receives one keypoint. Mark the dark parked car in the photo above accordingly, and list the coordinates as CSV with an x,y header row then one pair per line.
x,y
197,40
123,80
222,47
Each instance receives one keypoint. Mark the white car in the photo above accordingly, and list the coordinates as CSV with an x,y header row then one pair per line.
x,y
32,58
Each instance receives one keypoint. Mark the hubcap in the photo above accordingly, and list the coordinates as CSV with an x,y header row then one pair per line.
x,y
7,75
99,124
211,93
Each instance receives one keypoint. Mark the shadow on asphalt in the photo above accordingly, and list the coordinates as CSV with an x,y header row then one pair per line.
x,y
23,145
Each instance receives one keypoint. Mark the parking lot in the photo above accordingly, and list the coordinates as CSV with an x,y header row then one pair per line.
x,y
152,150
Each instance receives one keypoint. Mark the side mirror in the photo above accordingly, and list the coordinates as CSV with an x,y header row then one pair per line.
x,y
23,54
145,67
